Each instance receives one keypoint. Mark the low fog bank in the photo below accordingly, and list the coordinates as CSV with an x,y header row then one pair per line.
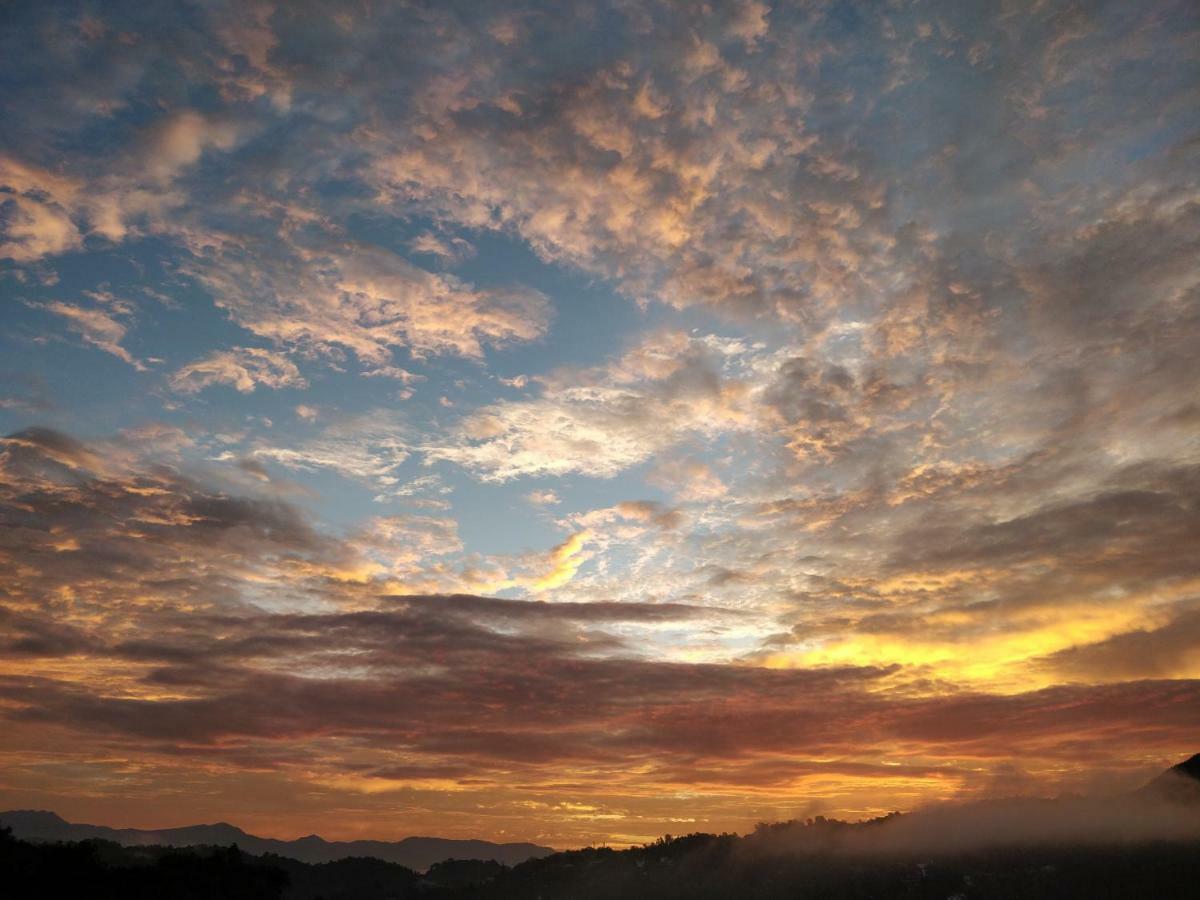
x,y
1061,821
950,828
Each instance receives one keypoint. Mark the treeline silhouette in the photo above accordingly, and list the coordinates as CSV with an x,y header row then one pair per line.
x,y
104,870
792,859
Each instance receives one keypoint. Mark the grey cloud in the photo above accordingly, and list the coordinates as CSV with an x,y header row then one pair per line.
x,y
1142,653
536,610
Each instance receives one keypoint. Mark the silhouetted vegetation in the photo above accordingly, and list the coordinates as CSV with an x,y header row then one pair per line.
x,y
99,870
791,859
722,866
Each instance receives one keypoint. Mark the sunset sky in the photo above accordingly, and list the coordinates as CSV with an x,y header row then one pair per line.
x,y
577,422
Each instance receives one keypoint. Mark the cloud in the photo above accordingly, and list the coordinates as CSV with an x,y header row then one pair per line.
x,y
243,368
93,525
672,389
150,616
1029,581
388,679
25,392
565,560
534,572
369,448
449,250
650,512
401,375
101,523
35,221
336,298
176,142
50,213
99,327
689,480
1133,265
408,540
1135,527
33,230
599,422
489,609
1170,650
921,400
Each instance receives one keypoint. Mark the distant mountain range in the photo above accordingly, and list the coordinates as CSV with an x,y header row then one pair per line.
x,y
418,853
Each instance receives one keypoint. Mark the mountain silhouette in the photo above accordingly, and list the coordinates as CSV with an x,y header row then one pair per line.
x,y
1179,784
417,853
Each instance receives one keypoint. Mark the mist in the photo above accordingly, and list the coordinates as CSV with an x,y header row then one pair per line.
x,y
949,828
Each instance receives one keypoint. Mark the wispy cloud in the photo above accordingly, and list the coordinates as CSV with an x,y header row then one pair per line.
x,y
99,325
243,368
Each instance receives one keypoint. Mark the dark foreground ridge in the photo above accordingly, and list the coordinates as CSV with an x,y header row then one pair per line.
x,y
1144,844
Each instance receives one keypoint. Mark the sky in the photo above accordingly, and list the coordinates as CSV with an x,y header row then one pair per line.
x,y
583,421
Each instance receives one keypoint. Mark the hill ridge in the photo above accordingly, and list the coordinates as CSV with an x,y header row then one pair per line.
x,y
417,852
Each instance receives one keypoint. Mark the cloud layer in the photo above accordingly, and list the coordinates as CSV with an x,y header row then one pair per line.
x,y
594,420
